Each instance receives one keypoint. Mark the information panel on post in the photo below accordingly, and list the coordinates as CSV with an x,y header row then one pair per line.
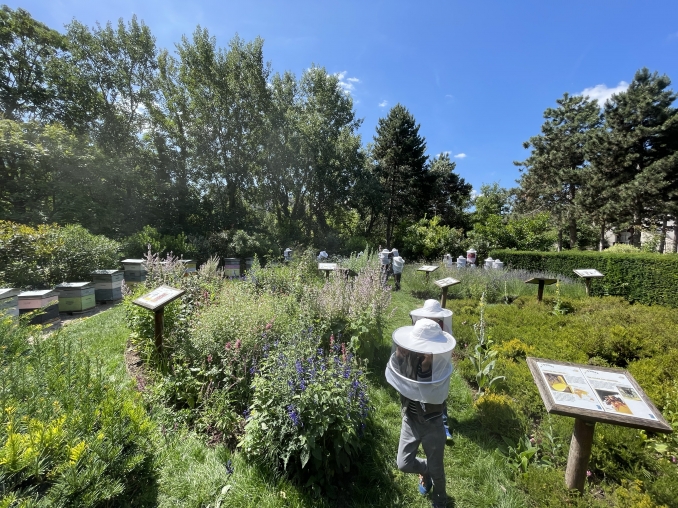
x,y
158,298
597,394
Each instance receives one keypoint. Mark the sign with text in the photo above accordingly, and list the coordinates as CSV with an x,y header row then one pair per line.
x,y
537,280
158,298
596,394
427,268
588,273
443,283
327,266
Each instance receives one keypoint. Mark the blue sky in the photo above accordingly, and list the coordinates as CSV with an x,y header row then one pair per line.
x,y
476,75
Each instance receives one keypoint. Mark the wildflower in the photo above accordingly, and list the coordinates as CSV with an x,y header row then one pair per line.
x,y
209,358
294,416
300,369
227,346
588,474
268,326
238,343
332,340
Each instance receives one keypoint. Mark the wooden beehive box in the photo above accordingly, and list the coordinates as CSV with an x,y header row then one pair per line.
x,y
135,270
107,284
46,300
232,267
75,296
189,265
9,302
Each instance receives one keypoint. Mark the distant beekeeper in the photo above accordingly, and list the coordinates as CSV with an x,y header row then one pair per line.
x,y
322,256
419,369
397,264
385,260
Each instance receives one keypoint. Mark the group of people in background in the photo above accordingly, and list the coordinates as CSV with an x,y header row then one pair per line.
x,y
391,264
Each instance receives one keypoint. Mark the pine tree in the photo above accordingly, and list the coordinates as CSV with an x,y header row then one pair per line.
x,y
399,151
554,170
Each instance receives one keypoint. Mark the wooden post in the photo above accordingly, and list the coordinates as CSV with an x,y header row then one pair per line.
x,y
540,290
159,325
587,282
443,299
580,451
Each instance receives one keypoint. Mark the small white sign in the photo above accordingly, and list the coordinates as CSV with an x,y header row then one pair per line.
x,y
588,273
327,266
428,268
443,283
158,297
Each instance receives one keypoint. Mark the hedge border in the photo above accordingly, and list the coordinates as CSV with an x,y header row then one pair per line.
x,y
651,279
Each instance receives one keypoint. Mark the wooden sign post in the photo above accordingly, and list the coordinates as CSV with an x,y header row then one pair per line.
x,y
156,301
589,395
587,274
427,269
542,281
327,268
445,284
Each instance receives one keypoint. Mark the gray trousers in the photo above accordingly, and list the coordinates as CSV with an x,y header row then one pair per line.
x,y
431,435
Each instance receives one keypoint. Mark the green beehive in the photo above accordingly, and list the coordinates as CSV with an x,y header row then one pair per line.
x,y
9,302
75,296
108,284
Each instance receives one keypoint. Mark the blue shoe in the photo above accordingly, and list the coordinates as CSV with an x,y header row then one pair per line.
x,y
448,435
425,485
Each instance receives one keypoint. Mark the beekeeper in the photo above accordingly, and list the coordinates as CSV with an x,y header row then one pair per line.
x,y
397,264
419,369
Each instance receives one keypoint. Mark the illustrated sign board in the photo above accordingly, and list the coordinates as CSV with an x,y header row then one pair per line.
x,y
596,394
538,280
443,283
158,298
588,273
327,266
427,268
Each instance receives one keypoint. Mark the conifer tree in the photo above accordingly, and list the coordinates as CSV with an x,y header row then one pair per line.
x,y
399,151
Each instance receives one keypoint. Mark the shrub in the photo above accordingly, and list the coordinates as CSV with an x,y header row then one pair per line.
x,y
68,436
639,277
49,254
499,414
308,411
428,239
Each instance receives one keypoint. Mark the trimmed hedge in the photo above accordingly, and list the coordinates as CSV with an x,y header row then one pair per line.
x,y
646,278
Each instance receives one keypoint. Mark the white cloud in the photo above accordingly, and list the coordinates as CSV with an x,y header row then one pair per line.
x,y
602,93
348,84
383,104
475,194
460,156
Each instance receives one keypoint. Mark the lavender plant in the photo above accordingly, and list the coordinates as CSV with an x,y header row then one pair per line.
x,y
309,409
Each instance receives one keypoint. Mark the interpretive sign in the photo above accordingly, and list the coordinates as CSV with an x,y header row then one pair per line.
x,y
595,393
542,281
327,266
158,297
444,284
588,273
427,268
592,394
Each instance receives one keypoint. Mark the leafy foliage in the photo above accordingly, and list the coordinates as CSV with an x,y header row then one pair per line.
x,y
308,410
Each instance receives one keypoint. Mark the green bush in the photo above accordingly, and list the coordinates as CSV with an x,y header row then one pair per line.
x,y
308,411
68,435
49,254
639,277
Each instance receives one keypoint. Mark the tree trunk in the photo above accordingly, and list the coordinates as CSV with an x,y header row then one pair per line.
x,y
635,230
560,240
572,227
601,240
662,239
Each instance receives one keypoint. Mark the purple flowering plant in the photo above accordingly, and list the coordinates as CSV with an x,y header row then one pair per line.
x,y
309,409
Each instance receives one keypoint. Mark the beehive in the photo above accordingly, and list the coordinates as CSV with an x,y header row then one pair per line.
x,y
189,266
9,302
135,270
232,267
46,300
75,296
107,284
